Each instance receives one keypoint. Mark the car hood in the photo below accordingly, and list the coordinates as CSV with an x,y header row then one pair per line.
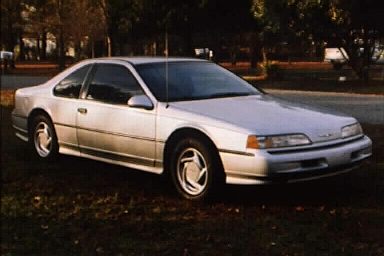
x,y
267,115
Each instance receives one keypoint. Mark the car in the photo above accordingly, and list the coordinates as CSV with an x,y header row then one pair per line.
x,y
189,119
378,55
6,55
6,59
203,53
339,57
336,56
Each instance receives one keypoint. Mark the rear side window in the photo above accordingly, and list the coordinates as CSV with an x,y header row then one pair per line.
x,y
113,84
70,86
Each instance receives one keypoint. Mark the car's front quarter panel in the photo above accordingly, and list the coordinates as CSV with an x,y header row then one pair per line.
x,y
259,166
228,139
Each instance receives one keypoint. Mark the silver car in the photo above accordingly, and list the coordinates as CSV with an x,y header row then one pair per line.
x,y
188,118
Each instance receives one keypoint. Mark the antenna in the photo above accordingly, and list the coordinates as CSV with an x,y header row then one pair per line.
x,y
166,69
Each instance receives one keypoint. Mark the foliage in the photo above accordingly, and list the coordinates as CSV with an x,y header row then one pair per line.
x,y
358,27
137,27
354,25
7,98
11,23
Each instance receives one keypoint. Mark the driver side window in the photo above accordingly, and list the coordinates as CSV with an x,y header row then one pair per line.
x,y
113,84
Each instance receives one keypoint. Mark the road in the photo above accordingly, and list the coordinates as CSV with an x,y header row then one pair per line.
x,y
15,82
366,108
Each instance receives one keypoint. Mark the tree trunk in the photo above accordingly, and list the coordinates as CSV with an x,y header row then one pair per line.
x,y
10,42
44,46
61,54
77,50
92,49
256,50
109,47
22,53
366,55
257,54
38,49
61,50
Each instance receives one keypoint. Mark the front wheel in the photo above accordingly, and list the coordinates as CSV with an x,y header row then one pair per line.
x,y
43,138
195,169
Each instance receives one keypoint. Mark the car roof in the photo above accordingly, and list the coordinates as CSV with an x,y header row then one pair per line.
x,y
146,60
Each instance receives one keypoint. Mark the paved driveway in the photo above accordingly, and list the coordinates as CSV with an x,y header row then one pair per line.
x,y
14,81
365,108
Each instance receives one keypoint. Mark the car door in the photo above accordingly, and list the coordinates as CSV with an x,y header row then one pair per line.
x,y
64,108
106,126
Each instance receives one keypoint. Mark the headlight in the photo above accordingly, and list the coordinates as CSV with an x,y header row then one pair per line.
x,y
277,141
351,130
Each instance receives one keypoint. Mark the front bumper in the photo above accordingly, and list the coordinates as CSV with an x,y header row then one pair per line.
x,y
295,164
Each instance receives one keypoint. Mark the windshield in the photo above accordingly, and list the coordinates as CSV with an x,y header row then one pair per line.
x,y
193,81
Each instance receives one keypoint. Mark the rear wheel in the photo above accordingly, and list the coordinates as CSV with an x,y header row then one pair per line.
x,y
195,169
43,138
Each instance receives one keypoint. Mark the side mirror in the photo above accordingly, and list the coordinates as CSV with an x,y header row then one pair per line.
x,y
140,101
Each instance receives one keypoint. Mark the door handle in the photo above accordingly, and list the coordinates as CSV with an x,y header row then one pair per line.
x,y
82,110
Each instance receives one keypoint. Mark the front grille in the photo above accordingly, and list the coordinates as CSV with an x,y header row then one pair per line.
x,y
312,148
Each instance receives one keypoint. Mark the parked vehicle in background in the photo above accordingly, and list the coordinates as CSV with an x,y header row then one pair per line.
x,y
204,53
336,56
6,60
378,55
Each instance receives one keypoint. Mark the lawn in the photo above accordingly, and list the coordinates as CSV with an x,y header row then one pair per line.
x,y
76,206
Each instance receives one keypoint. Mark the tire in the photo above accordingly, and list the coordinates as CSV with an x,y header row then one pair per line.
x,y
43,139
195,169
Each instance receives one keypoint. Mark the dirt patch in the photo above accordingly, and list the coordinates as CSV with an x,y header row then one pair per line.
x,y
7,98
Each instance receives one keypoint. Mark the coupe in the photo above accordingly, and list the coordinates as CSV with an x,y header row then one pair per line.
x,y
188,118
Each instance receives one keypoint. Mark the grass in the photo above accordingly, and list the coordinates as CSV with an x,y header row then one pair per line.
x,y
77,206
313,76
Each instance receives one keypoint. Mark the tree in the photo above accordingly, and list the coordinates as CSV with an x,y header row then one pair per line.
x,y
72,22
85,24
354,25
121,18
271,27
37,14
357,27
11,24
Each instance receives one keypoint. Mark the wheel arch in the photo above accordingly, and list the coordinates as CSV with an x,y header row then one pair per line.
x,y
34,113
186,132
